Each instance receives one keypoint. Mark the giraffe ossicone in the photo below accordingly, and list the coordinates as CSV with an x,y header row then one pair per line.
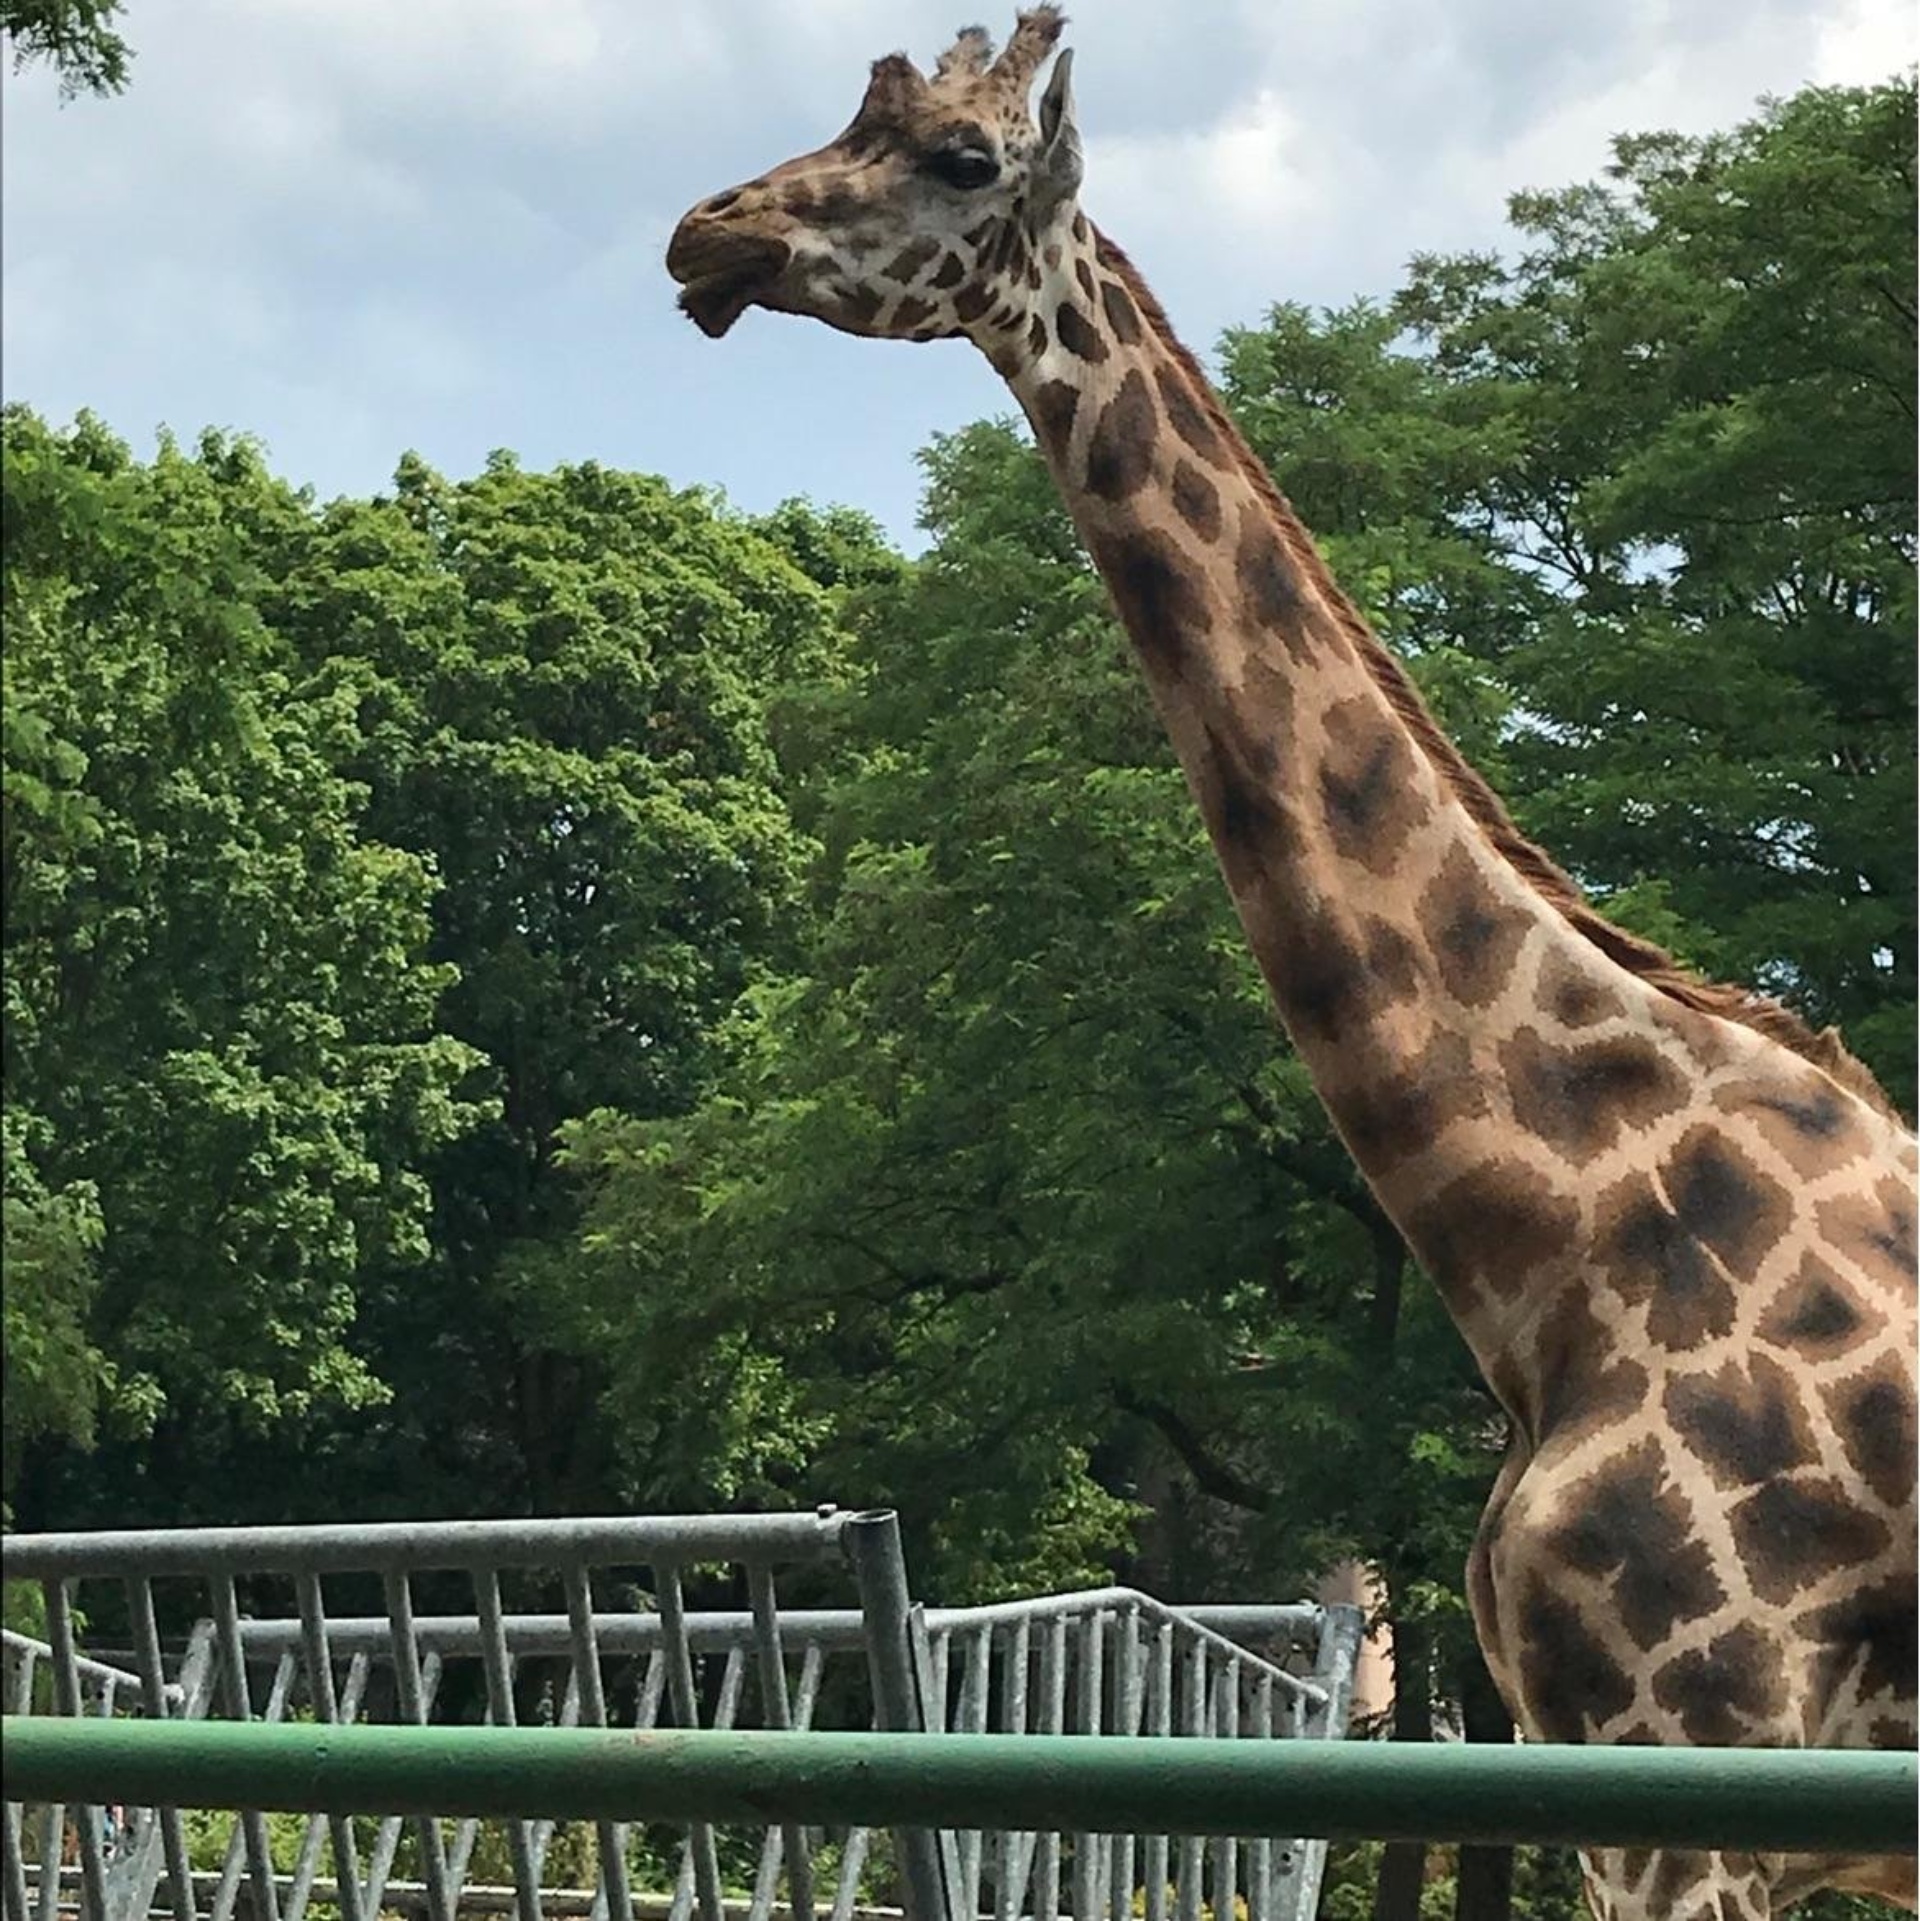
x,y
1675,1227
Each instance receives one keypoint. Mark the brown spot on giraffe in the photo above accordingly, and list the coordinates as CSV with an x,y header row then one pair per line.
x,y
1873,1413
1651,1257
1475,929
1497,1227
1818,1313
1077,335
1631,1521
1369,784
1744,1423
1723,1691
1792,1535
1567,1669
1581,1099
1572,995
1578,1379
1157,593
1196,500
1120,451
1186,416
1123,319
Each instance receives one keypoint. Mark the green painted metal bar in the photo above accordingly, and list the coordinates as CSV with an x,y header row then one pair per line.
x,y
1859,1802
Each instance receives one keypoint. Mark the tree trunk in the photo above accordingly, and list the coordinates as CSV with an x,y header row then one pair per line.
x,y
1484,1891
1396,1896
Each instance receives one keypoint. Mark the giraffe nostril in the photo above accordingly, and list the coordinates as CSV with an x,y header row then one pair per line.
x,y
721,201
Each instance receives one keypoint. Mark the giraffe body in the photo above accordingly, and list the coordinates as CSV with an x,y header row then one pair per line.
x,y
1675,1228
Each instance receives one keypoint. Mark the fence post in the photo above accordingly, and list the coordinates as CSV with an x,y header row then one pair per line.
x,y
872,1544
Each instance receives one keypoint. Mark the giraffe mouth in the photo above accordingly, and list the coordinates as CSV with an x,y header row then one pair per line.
x,y
718,285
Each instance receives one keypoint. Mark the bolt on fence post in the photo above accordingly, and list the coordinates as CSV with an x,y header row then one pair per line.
x,y
871,1542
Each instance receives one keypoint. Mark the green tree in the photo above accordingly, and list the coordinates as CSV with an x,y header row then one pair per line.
x,y
220,1043
76,37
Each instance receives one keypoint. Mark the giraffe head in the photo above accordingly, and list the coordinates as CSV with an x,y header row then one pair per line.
x,y
925,219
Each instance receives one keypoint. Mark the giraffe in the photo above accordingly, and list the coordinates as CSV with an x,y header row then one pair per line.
x,y
1674,1225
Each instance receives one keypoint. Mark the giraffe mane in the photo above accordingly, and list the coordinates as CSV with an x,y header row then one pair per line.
x,y
1642,958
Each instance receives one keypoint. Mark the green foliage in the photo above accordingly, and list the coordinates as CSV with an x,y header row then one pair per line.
x,y
75,37
220,1059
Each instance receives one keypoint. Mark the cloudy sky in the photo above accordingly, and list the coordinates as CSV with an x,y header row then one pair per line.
x,y
354,227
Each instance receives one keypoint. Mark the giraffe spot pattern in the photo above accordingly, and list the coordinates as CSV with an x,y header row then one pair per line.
x,y
1817,1313
1578,1099
1120,450
1239,800
1811,1128
1498,1224
1576,1378
1156,593
1721,1692
1569,1680
1476,933
906,266
1650,1258
836,206
860,304
1631,1521
1724,1201
913,313
1036,336
1054,406
1084,274
1873,1414
1196,500
953,270
1075,333
1394,1109
1123,318
1572,996
1745,1424
1876,1230
1792,1534
1368,784
975,235
1268,583
971,302
1186,416
1874,1628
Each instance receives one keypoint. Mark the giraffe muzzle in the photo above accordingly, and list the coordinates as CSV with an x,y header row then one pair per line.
x,y
721,273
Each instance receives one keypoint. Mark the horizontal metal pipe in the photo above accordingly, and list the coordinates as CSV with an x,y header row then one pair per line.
x,y
1853,1802
838,1630
382,1545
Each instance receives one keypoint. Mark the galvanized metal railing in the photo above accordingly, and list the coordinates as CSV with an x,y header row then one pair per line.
x,y
1103,1662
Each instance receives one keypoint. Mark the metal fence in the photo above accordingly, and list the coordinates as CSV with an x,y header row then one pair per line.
x,y
628,1651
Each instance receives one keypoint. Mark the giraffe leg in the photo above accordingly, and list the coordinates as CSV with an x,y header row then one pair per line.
x,y
1641,1884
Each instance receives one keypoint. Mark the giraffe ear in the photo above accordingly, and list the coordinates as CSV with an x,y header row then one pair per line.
x,y
1059,165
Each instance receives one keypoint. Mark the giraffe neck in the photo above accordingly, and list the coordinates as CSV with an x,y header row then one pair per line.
x,y
1477,1050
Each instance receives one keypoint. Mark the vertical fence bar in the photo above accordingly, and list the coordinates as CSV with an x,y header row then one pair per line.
x,y
326,1707
498,1665
1127,1703
1193,1720
153,1682
66,1699
412,1695
1016,1849
593,1713
686,1709
1225,1723
231,1666
1086,1846
1053,1686
13,1873
1159,1721
774,1709
1260,1854
871,1543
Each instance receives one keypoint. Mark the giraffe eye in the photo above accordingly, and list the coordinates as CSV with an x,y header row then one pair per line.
x,y
964,167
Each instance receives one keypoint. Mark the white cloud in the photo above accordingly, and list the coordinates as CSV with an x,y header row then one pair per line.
x,y
1866,40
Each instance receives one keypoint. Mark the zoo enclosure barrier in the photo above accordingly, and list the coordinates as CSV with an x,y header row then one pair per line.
x,y
628,1652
